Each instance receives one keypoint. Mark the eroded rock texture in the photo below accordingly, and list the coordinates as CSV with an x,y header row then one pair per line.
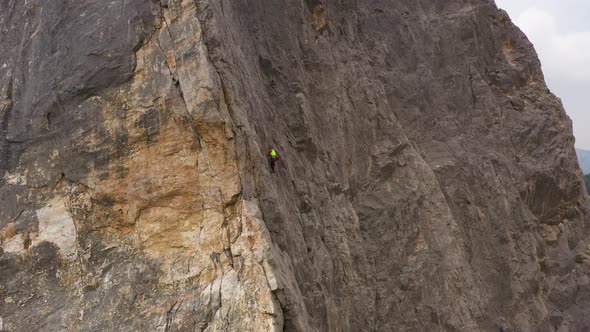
x,y
429,180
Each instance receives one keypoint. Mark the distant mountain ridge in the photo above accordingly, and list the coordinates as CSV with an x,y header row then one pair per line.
x,y
584,160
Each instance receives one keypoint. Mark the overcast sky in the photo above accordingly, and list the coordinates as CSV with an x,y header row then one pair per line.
x,y
560,31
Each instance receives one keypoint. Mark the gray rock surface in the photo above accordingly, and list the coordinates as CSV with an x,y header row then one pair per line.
x,y
429,180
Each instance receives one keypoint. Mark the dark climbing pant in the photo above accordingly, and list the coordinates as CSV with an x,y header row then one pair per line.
x,y
272,162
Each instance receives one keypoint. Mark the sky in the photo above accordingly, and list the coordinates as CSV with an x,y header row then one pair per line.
x,y
560,31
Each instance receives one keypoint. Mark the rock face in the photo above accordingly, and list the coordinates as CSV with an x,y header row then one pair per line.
x,y
429,180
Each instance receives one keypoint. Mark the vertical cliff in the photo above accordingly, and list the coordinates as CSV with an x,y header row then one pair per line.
x,y
429,180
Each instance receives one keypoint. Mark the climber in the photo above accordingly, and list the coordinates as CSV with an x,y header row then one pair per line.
x,y
273,157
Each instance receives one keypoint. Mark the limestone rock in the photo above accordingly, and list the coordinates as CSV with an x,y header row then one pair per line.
x,y
429,180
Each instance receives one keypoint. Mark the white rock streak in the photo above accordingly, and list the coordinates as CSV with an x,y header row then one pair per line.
x,y
57,226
